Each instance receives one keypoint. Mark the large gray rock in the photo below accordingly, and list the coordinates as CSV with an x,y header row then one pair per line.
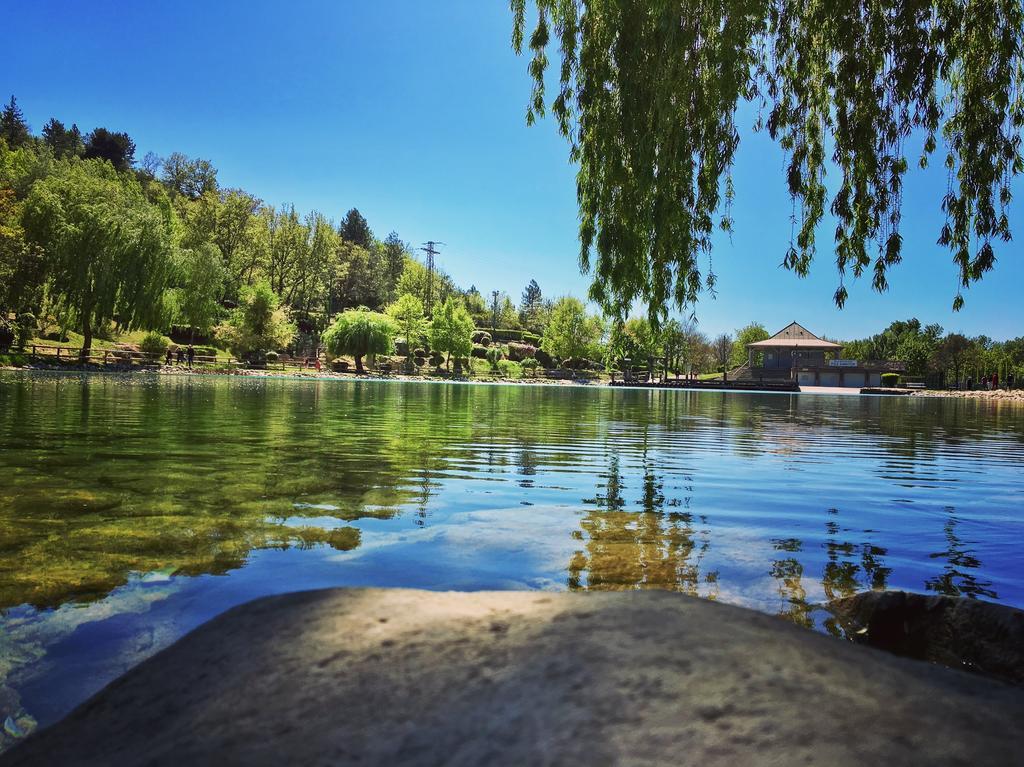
x,y
528,678
981,637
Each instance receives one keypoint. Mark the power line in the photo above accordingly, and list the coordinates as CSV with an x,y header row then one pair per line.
x,y
431,251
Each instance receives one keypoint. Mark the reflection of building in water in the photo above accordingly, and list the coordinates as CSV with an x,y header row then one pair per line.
x,y
648,548
956,579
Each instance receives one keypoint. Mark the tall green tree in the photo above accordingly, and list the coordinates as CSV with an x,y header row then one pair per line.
x,y
407,312
116,148
13,128
199,278
259,324
572,332
359,333
749,334
395,252
64,142
189,177
355,230
22,265
530,304
648,96
109,251
451,330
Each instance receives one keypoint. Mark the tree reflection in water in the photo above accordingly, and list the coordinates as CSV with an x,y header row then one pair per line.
x,y
957,580
633,549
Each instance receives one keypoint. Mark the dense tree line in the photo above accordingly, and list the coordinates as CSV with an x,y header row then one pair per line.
x,y
952,357
93,241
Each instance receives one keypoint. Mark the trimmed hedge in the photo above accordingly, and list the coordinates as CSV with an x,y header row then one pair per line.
x,y
890,379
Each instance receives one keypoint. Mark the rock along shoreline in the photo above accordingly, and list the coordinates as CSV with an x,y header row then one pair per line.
x,y
402,677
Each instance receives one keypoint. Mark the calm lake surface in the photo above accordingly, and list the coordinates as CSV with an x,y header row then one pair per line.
x,y
134,508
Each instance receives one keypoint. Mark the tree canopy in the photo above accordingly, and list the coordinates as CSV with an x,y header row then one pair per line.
x,y
451,330
648,96
359,332
108,250
259,324
572,332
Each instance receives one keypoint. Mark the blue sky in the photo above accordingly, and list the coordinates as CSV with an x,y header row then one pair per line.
x,y
414,113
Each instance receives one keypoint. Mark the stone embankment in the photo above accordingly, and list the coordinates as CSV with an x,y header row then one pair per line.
x,y
397,677
997,395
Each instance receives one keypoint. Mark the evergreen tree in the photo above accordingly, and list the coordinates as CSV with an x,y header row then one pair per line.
x,y
531,297
354,229
63,142
117,148
394,253
13,128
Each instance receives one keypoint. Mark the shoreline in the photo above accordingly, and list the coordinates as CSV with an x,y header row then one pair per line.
x,y
998,395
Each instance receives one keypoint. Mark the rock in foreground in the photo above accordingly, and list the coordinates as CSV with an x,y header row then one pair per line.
x,y
514,678
981,637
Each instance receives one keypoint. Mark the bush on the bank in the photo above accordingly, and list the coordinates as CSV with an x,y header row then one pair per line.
x,y
890,379
482,337
546,360
339,365
272,357
510,369
530,365
479,351
517,352
154,344
494,356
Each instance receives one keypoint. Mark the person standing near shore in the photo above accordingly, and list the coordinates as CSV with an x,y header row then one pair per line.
x,y
191,354
318,364
167,358
181,355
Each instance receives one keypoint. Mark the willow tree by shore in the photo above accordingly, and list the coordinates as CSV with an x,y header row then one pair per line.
x,y
648,97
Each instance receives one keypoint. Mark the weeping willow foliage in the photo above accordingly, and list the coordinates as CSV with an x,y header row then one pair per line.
x,y
647,99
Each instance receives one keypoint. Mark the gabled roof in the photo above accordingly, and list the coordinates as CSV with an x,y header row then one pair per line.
x,y
794,335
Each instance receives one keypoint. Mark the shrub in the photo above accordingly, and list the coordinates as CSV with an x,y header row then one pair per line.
x,y
272,357
26,327
155,344
890,379
482,337
530,364
510,369
494,355
479,351
576,363
420,353
518,351
436,359
339,365
545,359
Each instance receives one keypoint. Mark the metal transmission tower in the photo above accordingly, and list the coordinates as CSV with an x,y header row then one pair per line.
x,y
431,251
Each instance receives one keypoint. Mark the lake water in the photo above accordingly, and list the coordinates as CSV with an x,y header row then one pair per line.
x,y
134,508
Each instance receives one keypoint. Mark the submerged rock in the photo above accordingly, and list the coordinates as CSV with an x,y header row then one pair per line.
x,y
981,637
398,677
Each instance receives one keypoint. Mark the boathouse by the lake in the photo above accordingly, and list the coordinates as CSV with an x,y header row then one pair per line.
x,y
797,354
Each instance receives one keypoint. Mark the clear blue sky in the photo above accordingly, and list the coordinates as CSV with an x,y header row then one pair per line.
x,y
414,113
